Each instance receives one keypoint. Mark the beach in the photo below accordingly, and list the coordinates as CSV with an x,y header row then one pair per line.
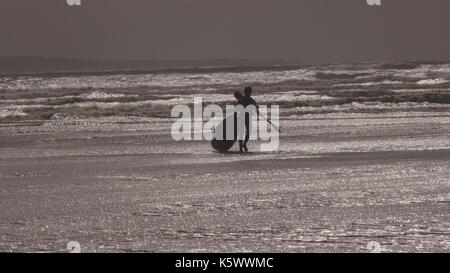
x,y
364,159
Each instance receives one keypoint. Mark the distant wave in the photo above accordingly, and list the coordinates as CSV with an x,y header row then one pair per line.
x,y
317,88
331,76
399,66
432,81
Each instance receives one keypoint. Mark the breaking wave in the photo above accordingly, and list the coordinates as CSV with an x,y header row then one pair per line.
x,y
317,88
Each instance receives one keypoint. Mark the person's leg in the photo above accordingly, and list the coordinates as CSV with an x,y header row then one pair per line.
x,y
247,131
240,128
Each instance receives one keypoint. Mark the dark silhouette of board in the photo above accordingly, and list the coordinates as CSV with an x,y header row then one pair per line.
x,y
220,142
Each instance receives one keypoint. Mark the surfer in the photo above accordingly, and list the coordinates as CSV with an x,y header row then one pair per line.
x,y
245,107
246,100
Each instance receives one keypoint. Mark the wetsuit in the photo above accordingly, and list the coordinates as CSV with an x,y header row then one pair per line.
x,y
246,101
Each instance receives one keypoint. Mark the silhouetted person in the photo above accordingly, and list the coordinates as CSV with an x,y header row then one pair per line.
x,y
246,100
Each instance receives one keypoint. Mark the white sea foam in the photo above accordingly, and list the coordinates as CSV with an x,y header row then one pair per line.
x,y
354,106
412,90
385,82
432,81
100,95
423,71
289,96
11,113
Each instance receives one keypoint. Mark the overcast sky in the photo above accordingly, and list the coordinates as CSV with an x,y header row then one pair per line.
x,y
293,30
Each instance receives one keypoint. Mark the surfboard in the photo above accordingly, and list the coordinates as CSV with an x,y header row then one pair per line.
x,y
220,142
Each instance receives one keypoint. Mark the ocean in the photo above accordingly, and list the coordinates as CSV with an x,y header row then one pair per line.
x,y
297,90
363,160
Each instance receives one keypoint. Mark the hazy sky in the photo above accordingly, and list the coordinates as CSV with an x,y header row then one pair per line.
x,y
293,30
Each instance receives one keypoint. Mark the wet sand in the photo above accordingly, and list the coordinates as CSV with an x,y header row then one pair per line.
x,y
123,185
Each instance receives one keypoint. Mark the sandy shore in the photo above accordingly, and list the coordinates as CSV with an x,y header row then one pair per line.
x,y
123,185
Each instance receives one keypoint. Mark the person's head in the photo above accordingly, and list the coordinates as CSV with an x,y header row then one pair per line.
x,y
238,95
247,91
